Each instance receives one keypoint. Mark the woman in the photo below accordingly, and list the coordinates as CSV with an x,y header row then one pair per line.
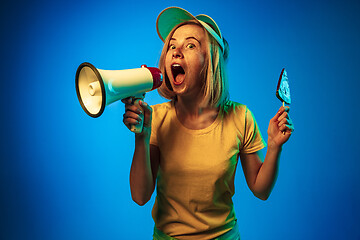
x,y
189,147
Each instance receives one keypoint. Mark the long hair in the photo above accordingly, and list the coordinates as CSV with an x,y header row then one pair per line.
x,y
215,87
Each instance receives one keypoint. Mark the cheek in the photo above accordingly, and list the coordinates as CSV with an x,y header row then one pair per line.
x,y
168,56
200,61
201,66
167,63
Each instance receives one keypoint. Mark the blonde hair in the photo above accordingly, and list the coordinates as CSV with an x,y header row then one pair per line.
x,y
215,88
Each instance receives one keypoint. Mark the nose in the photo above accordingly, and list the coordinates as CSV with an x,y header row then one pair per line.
x,y
177,53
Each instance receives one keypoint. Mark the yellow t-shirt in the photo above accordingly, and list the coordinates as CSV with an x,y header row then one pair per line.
x,y
195,181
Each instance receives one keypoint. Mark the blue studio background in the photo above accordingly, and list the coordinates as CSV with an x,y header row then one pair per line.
x,y
64,175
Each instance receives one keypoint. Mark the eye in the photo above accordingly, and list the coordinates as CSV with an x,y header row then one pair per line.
x,y
190,46
172,47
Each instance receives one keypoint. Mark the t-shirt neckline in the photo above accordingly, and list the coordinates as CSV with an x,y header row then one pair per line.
x,y
213,125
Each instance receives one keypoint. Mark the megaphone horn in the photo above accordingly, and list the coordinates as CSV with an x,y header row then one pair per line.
x,y
96,88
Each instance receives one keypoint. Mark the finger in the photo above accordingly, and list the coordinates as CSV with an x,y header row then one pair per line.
x,y
287,122
283,109
131,120
147,113
283,116
286,109
286,128
133,108
282,122
129,116
278,114
133,115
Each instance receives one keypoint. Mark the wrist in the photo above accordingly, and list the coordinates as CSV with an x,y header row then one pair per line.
x,y
273,146
143,136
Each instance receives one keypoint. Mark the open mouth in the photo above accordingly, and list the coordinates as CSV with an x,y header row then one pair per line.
x,y
178,73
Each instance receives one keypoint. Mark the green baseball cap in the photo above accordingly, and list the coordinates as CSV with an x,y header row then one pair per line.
x,y
172,16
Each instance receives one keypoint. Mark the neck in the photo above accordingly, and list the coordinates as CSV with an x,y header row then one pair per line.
x,y
193,115
191,107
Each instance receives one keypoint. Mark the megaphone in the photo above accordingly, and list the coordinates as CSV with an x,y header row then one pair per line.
x,y
97,88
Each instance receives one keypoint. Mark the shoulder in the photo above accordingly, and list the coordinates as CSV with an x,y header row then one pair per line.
x,y
160,111
238,114
162,107
231,108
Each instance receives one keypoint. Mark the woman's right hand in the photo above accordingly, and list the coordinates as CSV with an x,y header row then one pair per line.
x,y
137,114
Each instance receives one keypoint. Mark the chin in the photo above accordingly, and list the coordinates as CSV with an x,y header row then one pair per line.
x,y
179,89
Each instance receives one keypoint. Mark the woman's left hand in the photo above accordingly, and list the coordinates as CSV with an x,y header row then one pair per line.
x,y
280,128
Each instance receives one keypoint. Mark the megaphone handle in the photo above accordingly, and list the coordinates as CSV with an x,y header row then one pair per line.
x,y
137,128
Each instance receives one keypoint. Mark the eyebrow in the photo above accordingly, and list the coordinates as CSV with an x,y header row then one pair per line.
x,y
187,39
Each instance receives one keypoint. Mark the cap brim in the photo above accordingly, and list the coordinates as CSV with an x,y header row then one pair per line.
x,y
169,18
173,16
211,22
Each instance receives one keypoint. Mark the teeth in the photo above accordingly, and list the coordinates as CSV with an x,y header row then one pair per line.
x,y
177,67
176,70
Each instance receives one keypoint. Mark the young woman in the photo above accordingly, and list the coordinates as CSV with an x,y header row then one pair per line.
x,y
190,146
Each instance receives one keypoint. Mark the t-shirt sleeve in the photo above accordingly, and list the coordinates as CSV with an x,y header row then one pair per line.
x,y
253,140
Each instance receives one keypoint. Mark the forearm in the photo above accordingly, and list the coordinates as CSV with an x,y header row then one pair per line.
x,y
141,178
261,176
267,174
